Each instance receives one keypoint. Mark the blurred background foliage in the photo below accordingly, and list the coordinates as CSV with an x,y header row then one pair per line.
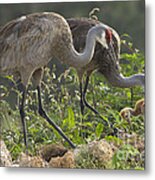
x,y
60,87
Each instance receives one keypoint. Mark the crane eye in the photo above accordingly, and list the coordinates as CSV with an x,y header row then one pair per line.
x,y
108,35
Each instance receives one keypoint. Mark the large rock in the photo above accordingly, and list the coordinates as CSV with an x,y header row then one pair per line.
x,y
96,154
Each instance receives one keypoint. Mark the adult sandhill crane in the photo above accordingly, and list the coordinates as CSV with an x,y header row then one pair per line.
x,y
106,61
28,43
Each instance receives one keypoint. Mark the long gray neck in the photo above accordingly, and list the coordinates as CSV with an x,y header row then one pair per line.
x,y
79,60
119,80
68,55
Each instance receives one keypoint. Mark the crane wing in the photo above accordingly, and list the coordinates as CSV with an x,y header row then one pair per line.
x,y
23,31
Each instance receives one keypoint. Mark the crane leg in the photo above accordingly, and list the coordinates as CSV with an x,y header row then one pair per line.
x,y
84,97
87,104
45,116
22,115
81,99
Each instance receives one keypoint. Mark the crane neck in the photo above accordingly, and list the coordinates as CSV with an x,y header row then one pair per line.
x,y
119,80
73,58
81,59
135,112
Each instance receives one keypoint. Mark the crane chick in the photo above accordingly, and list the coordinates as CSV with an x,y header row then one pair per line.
x,y
127,112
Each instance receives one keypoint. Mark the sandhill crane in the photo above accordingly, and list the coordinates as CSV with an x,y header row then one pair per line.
x,y
106,61
28,43
127,112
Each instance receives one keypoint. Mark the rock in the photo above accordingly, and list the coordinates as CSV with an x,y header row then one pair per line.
x,y
28,161
101,150
5,157
66,161
52,150
96,154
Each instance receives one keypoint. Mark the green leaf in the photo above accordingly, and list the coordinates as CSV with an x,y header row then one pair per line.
x,y
99,129
69,122
71,118
9,77
106,120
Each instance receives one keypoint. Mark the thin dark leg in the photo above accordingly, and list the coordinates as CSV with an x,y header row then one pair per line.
x,y
84,97
82,105
44,115
81,99
87,104
22,114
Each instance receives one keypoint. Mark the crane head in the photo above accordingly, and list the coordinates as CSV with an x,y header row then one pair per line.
x,y
125,113
103,35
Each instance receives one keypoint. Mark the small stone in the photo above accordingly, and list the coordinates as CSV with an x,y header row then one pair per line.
x,y
66,161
